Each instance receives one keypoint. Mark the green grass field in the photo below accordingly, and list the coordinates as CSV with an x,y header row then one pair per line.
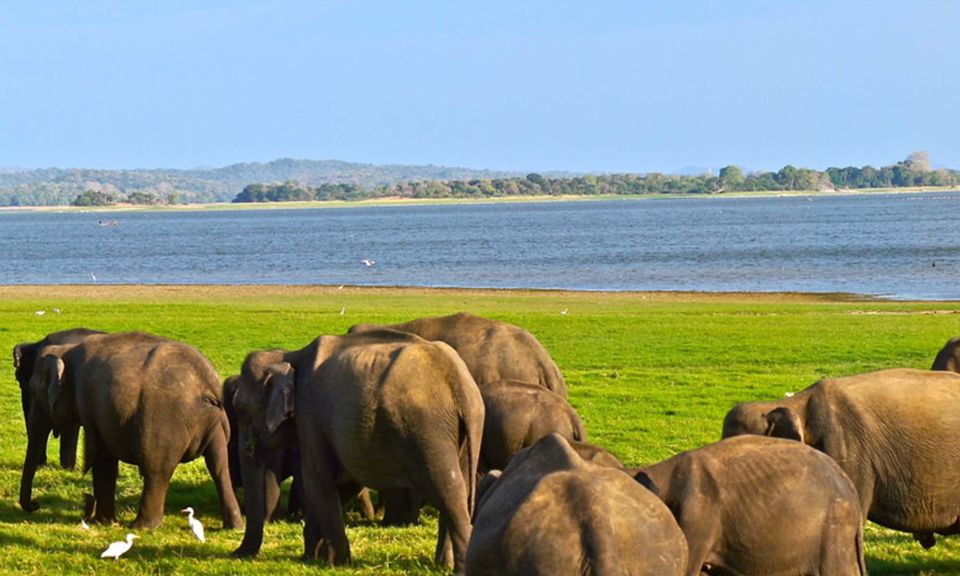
x,y
651,374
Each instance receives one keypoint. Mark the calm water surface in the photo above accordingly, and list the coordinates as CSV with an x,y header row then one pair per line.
x,y
900,246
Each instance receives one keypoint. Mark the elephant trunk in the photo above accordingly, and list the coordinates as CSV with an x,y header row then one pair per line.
x,y
253,471
38,431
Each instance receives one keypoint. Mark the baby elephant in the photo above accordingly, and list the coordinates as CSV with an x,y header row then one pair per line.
x,y
754,505
517,415
553,513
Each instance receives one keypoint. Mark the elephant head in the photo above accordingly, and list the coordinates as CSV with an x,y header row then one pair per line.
x,y
781,420
264,409
52,408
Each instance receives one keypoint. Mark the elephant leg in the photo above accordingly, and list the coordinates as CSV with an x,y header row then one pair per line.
x,y
295,498
68,447
366,504
401,507
321,505
701,535
105,490
271,489
217,461
155,484
447,488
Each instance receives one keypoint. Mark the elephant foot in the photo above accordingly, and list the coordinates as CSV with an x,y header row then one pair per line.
x,y
926,539
244,552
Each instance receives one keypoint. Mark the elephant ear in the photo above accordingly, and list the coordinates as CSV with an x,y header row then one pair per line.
x,y
17,356
784,423
279,388
53,368
647,482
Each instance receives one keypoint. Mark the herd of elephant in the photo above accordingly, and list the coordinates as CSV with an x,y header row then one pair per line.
x,y
471,415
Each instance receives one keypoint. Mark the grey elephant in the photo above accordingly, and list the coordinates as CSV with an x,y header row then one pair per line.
x,y
948,358
761,506
284,463
517,415
552,513
896,433
383,409
142,399
24,359
492,350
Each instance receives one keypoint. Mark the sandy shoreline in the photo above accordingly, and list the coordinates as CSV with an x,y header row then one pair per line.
x,y
449,201
194,291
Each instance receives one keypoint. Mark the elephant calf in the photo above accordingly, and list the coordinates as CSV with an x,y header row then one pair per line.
x,y
761,506
552,513
142,399
517,415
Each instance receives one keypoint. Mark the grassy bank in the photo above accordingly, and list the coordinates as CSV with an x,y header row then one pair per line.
x,y
650,374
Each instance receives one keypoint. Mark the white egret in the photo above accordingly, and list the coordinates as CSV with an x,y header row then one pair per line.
x,y
368,262
118,549
195,524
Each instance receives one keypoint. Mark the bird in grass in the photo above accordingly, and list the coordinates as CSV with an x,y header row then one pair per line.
x,y
118,549
564,312
40,312
368,262
195,524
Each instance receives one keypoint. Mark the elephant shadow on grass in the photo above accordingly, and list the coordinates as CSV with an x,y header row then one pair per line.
x,y
896,553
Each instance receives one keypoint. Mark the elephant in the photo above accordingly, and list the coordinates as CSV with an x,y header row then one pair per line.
x,y
24,359
517,415
492,350
140,398
896,433
552,513
949,356
761,506
285,464
384,409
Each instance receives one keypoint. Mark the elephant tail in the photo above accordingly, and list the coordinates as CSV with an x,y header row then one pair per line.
x,y
579,432
470,433
861,560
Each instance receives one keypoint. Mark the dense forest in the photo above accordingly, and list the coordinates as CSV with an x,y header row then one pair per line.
x,y
912,172
290,180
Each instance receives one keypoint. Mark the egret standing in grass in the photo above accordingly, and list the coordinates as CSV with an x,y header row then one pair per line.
x,y
118,549
195,524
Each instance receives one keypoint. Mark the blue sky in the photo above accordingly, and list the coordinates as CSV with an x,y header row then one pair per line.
x,y
604,86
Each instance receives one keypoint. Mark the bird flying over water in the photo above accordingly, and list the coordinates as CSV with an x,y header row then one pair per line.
x,y
368,262
195,524
118,549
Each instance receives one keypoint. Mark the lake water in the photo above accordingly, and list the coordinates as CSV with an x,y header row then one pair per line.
x,y
900,245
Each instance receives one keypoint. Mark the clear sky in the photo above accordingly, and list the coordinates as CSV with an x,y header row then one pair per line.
x,y
607,86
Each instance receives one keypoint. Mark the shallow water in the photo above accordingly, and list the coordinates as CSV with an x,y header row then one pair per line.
x,y
898,245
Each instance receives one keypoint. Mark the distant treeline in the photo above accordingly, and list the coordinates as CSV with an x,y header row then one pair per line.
x,y
914,171
63,186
